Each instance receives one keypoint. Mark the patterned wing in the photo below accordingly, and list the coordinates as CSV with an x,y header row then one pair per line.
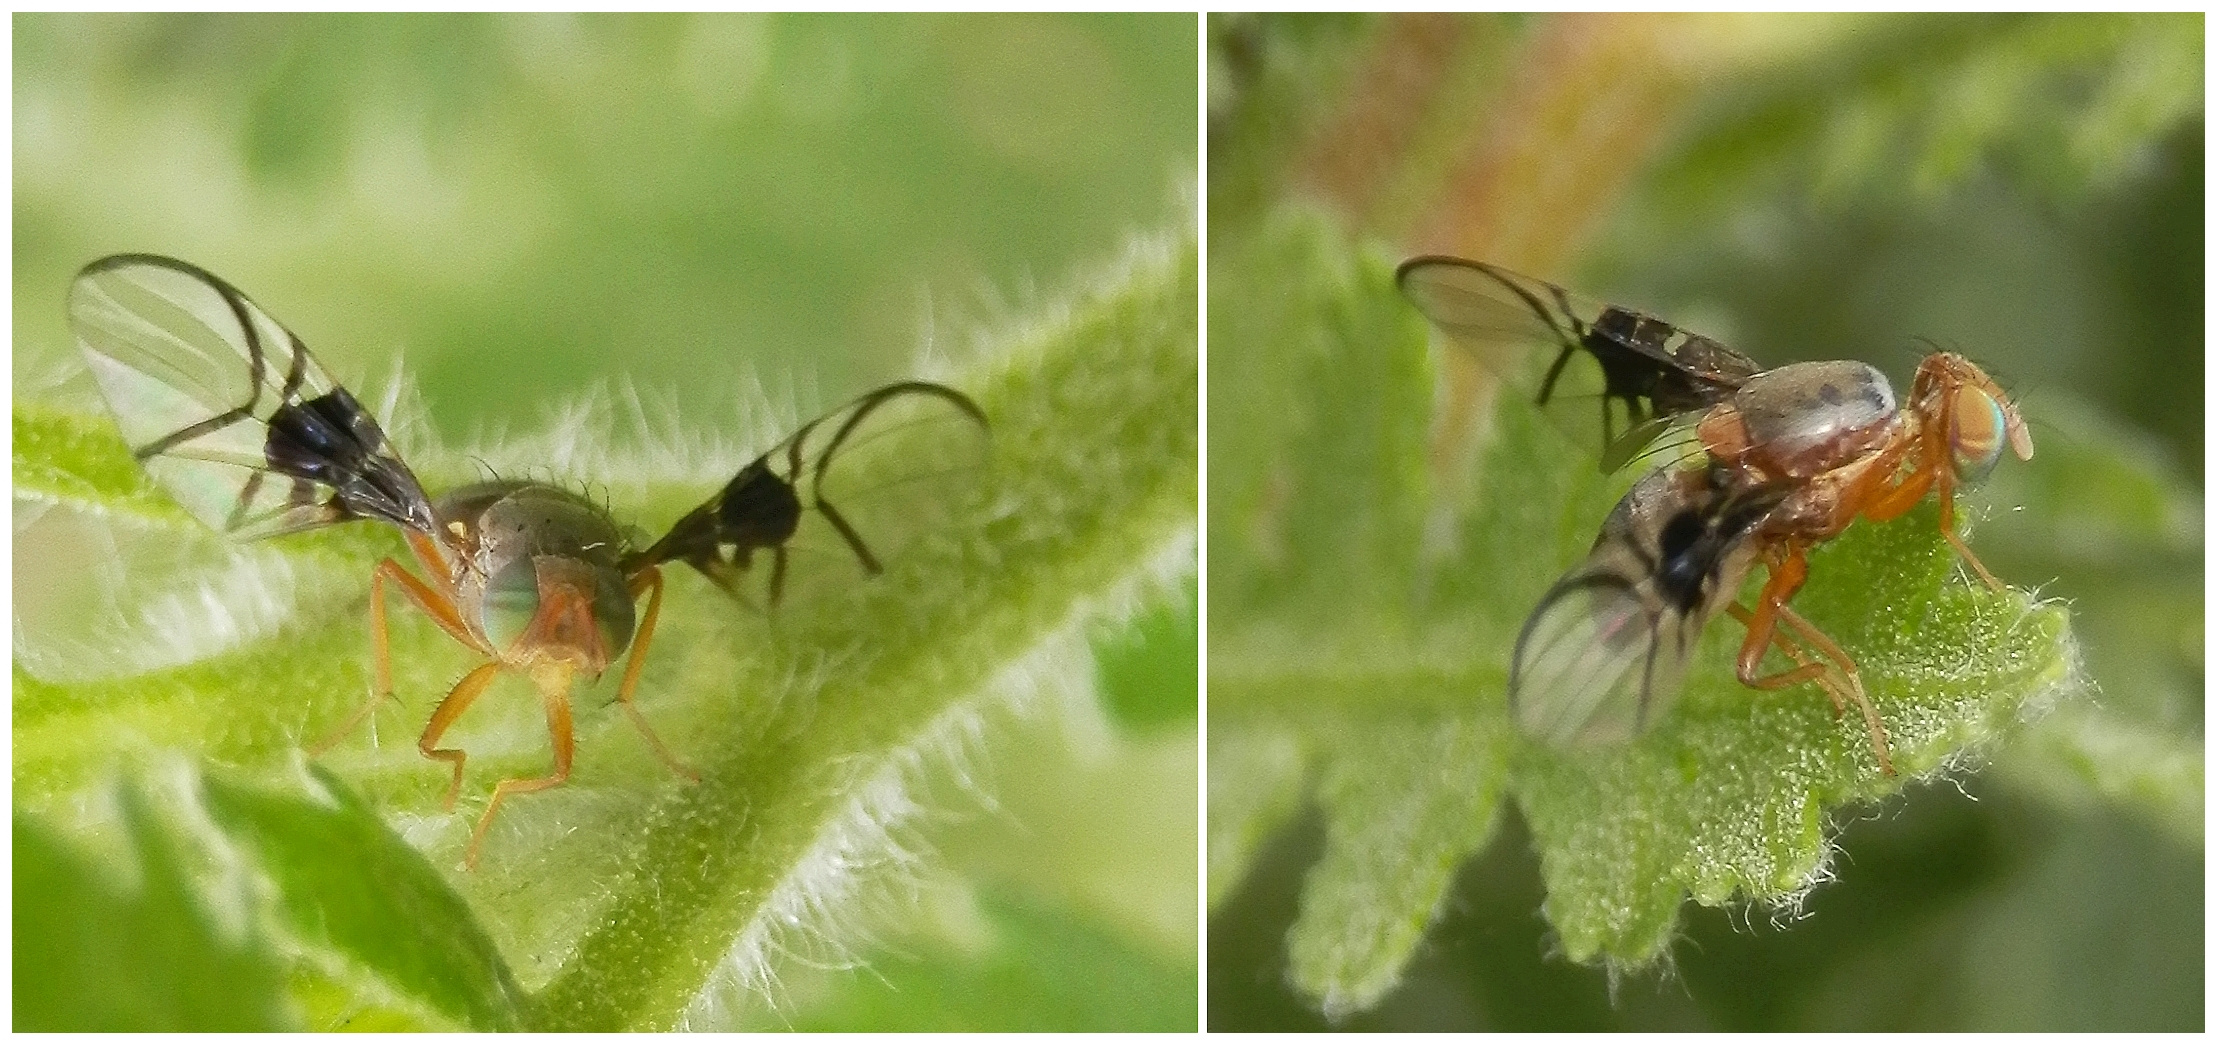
x,y
226,409
1601,657
1618,378
838,499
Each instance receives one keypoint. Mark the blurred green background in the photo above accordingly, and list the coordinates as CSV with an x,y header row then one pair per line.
x,y
2024,189
527,209
522,207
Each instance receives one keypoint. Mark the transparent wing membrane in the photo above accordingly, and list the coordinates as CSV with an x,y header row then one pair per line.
x,y
225,407
1611,378
1603,654
838,501
1598,659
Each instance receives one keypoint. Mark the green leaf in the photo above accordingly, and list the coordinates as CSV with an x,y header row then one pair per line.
x,y
626,899
1150,674
1395,839
1032,967
93,953
1361,611
1919,107
351,886
2121,530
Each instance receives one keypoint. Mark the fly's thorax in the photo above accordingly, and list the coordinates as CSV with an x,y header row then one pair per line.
x,y
1805,419
1823,506
536,570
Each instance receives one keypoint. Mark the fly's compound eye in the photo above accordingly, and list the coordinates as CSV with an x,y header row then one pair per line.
x,y
566,594
1976,432
511,602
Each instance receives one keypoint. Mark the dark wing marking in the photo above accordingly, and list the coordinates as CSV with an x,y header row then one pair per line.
x,y
1640,372
837,499
226,409
1602,656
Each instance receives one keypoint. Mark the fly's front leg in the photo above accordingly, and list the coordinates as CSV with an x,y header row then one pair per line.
x,y
434,603
1930,471
457,701
557,700
1946,482
1905,494
648,580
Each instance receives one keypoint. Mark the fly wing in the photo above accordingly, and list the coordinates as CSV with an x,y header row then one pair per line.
x,y
1614,379
838,500
1602,656
226,409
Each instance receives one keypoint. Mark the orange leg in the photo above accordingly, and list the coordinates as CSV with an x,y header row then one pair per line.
x,y
1788,571
457,701
558,727
1931,471
1792,651
1823,644
1903,496
1946,483
434,604
647,579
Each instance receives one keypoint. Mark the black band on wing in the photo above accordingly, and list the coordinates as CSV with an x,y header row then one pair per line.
x,y
335,454
761,507
332,441
257,358
1649,369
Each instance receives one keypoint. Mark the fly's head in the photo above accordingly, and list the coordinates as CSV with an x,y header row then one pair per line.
x,y
1971,412
544,578
551,609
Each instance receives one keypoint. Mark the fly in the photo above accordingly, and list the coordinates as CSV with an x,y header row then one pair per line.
x,y
229,414
1787,459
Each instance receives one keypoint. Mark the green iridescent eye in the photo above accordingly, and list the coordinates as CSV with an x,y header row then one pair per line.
x,y
1975,436
511,602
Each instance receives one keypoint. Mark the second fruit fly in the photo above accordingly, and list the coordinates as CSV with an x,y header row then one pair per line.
x,y
1761,466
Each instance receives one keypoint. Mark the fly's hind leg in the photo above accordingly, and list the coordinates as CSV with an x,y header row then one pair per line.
x,y
1793,651
648,580
1840,679
1854,680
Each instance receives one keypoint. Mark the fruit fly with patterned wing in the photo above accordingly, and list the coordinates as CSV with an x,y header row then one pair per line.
x,y
1772,462
228,413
